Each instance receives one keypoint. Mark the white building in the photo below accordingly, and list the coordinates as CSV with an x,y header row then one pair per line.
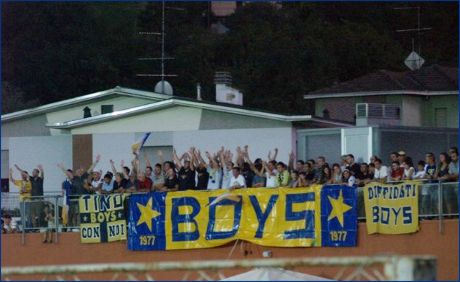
x,y
59,132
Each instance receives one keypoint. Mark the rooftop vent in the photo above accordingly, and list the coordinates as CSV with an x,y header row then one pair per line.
x,y
224,92
86,112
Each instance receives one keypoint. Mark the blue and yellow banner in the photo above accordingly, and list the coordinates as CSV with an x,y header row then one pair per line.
x,y
391,208
284,217
102,218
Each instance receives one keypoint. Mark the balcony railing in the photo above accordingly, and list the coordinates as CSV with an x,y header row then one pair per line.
x,y
378,111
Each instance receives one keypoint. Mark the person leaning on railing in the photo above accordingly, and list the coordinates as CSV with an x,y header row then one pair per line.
x,y
77,180
448,172
380,172
453,166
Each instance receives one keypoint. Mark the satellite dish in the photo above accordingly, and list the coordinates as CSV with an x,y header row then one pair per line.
x,y
164,87
414,61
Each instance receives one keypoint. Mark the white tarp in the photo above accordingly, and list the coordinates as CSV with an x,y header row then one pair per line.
x,y
274,274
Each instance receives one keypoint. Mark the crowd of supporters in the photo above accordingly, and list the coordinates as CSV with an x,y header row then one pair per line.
x,y
226,170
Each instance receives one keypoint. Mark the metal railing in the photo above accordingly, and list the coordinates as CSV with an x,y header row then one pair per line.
x,y
375,110
437,200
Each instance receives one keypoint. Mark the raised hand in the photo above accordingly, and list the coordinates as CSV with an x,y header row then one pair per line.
x,y
160,153
40,167
98,157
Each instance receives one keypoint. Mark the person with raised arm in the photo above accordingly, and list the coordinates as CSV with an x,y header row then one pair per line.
x,y
270,173
215,171
25,189
36,180
148,167
258,169
227,165
186,174
202,175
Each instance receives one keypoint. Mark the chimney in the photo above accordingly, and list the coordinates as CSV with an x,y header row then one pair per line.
x,y
198,92
225,93
86,112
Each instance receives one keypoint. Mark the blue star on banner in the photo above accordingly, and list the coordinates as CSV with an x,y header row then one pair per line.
x,y
338,216
146,222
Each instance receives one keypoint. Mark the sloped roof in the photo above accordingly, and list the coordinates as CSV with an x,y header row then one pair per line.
x,y
432,80
173,101
84,99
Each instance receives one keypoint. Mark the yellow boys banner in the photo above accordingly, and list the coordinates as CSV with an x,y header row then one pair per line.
x,y
102,218
391,208
285,217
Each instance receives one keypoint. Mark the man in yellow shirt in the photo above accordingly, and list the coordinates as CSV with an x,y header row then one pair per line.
x,y
25,190
283,176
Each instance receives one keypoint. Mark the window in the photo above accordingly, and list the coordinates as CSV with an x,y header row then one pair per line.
x,y
105,109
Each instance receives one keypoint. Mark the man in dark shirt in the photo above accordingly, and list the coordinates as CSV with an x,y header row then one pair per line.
x,y
78,188
171,182
364,176
202,177
186,177
352,166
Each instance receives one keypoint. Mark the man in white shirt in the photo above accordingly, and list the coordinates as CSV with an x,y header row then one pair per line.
x,y
97,180
237,180
270,174
381,171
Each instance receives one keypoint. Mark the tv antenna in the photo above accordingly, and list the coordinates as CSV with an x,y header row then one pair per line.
x,y
414,61
163,86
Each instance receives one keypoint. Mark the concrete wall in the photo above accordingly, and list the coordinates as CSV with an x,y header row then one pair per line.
x,y
435,141
411,113
176,118
69,250
218,120
260,141
312,143
118,146
449,102
115,146
5,156
46,150
357,141
33,126
339,108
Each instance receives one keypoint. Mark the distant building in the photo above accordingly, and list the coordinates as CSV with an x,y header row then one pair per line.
x,y
227,8
73,131
427,97
223,8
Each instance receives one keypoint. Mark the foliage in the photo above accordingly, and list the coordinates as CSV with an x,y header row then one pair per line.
x,y
53,51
